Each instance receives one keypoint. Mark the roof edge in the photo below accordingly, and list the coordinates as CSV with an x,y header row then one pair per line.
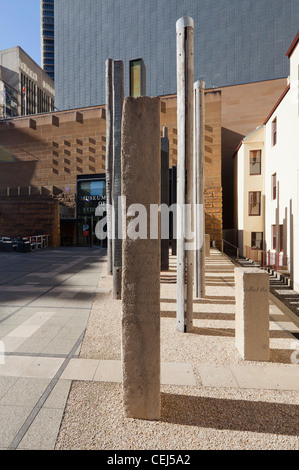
x,y
293,46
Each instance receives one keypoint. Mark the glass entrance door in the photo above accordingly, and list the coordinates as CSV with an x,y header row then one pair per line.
x,y
86,232
91,193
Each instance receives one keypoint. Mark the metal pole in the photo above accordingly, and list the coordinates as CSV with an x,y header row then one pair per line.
x,y
185,258
199,155
109,160
118,98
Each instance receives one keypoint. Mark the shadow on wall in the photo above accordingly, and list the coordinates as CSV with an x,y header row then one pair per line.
x,y
229,142
24,209
213,227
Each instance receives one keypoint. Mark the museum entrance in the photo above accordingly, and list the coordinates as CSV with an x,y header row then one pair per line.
x,y
91,208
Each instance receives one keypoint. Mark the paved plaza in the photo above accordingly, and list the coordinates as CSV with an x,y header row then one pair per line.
x,y
60,377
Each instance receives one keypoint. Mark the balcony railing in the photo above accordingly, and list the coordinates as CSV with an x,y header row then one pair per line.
x,y
229,249
269,259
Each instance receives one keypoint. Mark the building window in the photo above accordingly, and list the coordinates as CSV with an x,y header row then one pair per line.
x,y
277,246
274,132
137,78
255,162
254,203
257,239
273,237
274,187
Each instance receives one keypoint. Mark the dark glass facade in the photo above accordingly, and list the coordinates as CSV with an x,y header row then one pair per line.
x,y
235,41
47,33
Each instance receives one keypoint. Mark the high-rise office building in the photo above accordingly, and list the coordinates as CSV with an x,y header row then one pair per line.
x,y
235,42
47,36
25,88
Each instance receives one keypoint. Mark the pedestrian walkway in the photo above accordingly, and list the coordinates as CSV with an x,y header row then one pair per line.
x,y
61,331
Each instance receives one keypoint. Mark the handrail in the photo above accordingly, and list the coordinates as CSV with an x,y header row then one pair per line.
x,y
225,241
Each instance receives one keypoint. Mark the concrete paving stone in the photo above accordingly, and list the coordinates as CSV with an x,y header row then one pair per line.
x,y
43,367
216,376
86,279
16,299
34,345
42,433
23,288
177,374
5,384
268,377
7,277
58,396
12,343
24,331
71,331
15,366
108,371
80,369
56,346
26,391
11,419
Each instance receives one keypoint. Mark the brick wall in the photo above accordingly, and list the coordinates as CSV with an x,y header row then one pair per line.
x,y
42,155
30,215
212,167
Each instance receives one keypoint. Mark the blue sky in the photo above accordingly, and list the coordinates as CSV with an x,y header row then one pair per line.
x,y
20,26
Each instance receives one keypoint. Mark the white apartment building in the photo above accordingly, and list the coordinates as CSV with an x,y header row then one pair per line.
x,y
249,169
282,172
267,183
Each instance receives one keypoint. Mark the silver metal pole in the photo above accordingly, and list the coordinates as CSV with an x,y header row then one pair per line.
x,y
199,213
109,160
185,258
118,98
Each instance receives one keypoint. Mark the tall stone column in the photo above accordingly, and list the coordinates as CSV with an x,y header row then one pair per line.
x,y
185,258
118,98
199,187
165,195
141,176
109,160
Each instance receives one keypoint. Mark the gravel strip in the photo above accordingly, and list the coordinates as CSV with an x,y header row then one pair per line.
x,y
192,417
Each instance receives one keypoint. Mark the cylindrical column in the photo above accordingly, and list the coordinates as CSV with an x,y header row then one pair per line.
x,y
199,186
165,196
185,257
118,98
109,159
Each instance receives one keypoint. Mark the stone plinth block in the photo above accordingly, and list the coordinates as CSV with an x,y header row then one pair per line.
x,y
141,176
252,314
207,244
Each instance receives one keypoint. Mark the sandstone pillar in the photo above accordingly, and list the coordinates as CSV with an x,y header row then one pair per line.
x,y
185,257
141,176
165,196
252,314
173,200
207,244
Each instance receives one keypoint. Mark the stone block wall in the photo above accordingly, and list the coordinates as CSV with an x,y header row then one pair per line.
x,y
42,155
28,216
213,185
